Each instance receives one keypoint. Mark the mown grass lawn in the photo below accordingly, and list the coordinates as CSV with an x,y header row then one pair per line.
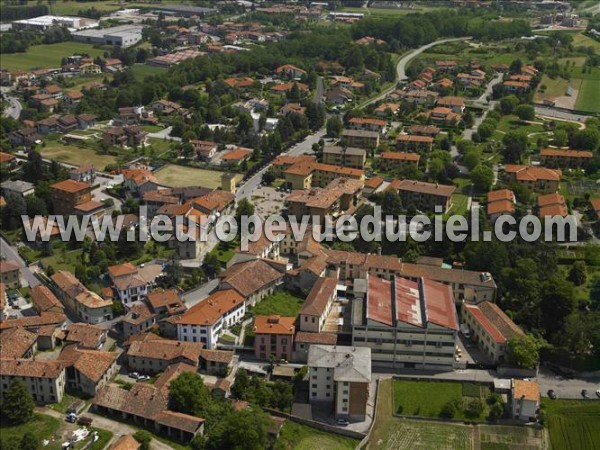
x,y
141,71
178,176
573,424
43,427
589,96
77,156
281,303
295,436
47,56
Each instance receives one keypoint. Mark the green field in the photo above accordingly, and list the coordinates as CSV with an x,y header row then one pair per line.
x,y
47,56
573,424
459,204
77,156
295,436
393,433
281,303
141,71
387,12
427,398
589,96
43,427
498,437
178,176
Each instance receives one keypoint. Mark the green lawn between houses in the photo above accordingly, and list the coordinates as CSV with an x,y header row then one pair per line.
x,y
43,427
573,424
281,303
295,436
47,56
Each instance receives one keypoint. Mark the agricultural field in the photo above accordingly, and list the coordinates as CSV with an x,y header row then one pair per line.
x,y
589,96
497,437
428,398
573,424
47,56
141,71
393,433
77,156
178,176
295,436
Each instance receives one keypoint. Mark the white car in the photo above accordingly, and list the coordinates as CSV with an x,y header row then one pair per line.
x,y
143,378
134,375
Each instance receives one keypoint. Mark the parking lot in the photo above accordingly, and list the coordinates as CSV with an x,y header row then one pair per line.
x,y
268,200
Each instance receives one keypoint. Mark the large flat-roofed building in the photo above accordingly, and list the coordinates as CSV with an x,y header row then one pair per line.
x,y
340,375
185,10
407,324
42,23
122,36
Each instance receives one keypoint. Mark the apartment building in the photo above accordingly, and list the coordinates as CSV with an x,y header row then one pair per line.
x,y
539,179
550,205
456,104
399,160
68,194
360,138
426,196
88,306
414,143
565,159
407,324
491,329
499,203
274,335
340,375
306,174
317,305
345,156
45,380
367,124
155,356
87,371
205,321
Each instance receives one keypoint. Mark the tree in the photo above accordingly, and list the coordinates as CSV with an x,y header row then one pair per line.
x,y
238,390
482,177
391,204
558,302
211,265
17,403
496,412
240,430
244,208
578,273
30,441
515,144
472,158
474,408
525,112
560,137
449,410
189,395
508,104
334,127
144,438
35,206
525,351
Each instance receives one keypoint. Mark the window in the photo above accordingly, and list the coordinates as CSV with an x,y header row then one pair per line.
x,y
314,385
328,395
314,394
328,378
345,391
314,377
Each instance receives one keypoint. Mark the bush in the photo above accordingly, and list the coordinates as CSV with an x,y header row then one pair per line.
x,y
449,410
400,409
474,408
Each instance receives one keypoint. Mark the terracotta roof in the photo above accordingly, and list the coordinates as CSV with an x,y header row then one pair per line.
x,y
168,299
414,138
85,335
565,153
92,363
501,206
596,204
374,183
6,157
30,368
426,188
401,156
237,154
125,442
89,206
15,342
451,101
274,324
550,199
45,318
121,270
211,309
496,323
249,277
71,186
218,356
318,298
528,390
500,194
9,266
528,173
468,277
316,338
368,121
288,67
138,314
166,350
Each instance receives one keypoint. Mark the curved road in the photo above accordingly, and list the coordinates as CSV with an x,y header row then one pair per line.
x,y
14,108
403,63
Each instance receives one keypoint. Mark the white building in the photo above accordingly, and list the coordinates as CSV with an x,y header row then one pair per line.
x,y
525,399
45,380
407,324
205,321
42,23
341,375
122,36
317,305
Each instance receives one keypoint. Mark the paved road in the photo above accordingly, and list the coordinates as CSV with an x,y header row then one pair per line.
x,y
11,253
318,97
551,112
403,63
164,134
192,297
14,109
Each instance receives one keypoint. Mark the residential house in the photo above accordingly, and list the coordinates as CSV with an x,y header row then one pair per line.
x,y
7,162
565,159
155,200
127,136
125,442
129,282
166,303
35,323
17,187
414,143
491,329
515,87
290,71
10,274
551,205
44,300
456,104
139,318
285,88
88,371
372,185
345,156
339,96
304,340
537,178
420,97
67,194
88,306
72,98
499,203
387,109
18,343
305,174
426,196
525,400
340,375
204,150
45,380
292,108
399,160
253,280
86,121
167,107
83,174
215,362
444,115
139,181
25,137
367,124
52,90
274,336
85,336
236,156
205,321
155,356
407,324
317,306
239,82
446,66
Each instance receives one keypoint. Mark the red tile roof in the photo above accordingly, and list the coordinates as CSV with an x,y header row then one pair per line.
x,y
274,324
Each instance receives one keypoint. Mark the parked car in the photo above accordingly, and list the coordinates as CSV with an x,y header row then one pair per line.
x,y
585,393
343,422
598,393
134,375
71,418
552,394
143,378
